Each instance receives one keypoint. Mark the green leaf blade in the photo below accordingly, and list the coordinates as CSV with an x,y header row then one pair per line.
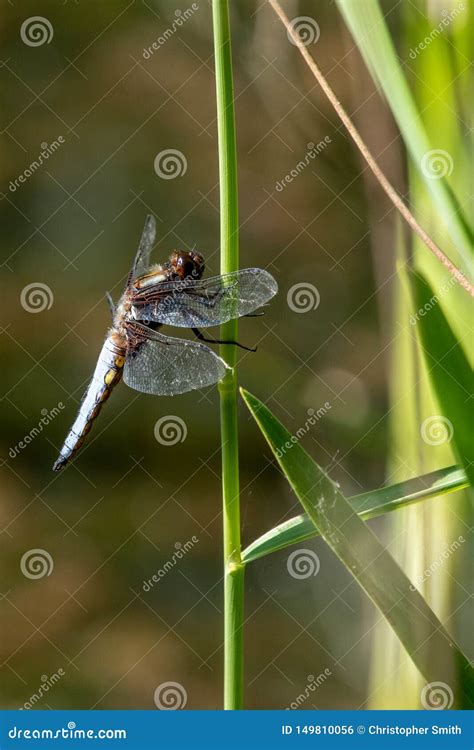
x,y
367,505
428,644
449,369
368,28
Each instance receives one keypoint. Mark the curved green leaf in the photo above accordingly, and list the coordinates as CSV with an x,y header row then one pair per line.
x,y
449,371
428,644
368,505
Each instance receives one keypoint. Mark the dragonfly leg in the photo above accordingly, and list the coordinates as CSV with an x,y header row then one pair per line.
x,y
199,335
111,303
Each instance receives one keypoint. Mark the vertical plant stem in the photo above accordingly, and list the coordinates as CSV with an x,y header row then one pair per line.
x,y
229,239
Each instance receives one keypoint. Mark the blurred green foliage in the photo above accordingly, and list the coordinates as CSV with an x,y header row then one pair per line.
x,y
115,517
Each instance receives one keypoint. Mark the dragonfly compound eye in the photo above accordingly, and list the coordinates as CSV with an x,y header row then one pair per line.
x,y
187,264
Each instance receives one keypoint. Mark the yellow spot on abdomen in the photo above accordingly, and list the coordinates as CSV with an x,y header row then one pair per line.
x,y
110,377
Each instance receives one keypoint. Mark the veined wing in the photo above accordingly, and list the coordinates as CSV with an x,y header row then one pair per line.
x,y
165,366
196,303
142,258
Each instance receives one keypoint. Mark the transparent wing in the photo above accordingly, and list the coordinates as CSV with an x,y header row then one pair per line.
x,y
196,303
165,366
142,258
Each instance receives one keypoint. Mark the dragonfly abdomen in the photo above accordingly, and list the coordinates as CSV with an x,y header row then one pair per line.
x,y
107,374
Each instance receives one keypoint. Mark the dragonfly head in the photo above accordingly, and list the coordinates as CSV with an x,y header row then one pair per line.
x,y
187,264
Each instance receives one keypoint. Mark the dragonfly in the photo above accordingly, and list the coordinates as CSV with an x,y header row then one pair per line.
x,y
172,293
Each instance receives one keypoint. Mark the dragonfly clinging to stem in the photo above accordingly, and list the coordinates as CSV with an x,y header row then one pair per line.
x,y
171,293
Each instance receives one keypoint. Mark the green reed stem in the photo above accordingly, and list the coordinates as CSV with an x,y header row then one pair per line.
x,y
233,568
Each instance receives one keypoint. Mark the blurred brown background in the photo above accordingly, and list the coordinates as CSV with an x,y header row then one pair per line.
x,y
113,518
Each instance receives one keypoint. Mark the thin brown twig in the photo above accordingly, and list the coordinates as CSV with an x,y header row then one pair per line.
x,y
357,138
